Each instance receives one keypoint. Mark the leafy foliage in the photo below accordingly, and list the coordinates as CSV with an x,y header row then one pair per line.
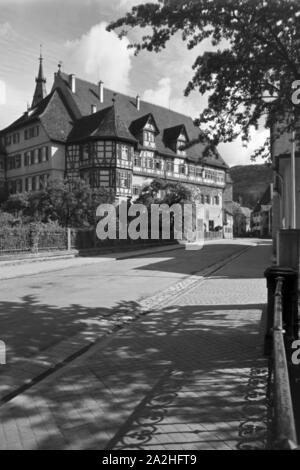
x,y
248,76
164,192
250,183
69,203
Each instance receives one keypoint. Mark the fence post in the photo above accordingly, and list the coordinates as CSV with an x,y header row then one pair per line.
x,y
33,239
68,239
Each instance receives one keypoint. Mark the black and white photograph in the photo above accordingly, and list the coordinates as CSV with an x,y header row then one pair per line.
x,y
149,228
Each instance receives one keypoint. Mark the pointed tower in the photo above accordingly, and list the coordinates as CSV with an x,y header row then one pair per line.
x,y
40,88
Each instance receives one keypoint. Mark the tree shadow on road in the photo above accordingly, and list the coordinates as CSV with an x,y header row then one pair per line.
x,y
178,377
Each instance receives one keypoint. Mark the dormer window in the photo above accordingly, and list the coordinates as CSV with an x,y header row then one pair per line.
x,y
145,130
148,138
176,139
181,142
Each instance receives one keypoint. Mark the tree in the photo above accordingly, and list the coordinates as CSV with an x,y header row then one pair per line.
x,y
16,204
164,192
249,76
70,203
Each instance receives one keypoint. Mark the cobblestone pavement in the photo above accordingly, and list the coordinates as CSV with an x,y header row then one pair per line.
x,y
187,375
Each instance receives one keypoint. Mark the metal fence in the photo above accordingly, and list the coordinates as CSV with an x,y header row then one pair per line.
x,y
23,239
14,240
285,436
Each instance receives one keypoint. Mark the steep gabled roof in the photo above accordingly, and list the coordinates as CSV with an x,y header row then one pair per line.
x,y
105,124
87,94
28,117
173,133
139,124
52,112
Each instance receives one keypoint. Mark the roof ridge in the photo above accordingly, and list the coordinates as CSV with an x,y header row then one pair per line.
x,y
125,95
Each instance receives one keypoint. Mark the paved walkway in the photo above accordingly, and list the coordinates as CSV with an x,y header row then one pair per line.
x,y
188,375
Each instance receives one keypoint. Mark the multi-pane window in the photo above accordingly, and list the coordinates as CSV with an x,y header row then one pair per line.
x,y
35,156
11,163
43,181
123,179
217,200
11,139
180,147
199,171
31,132
8,140
14,161
182,169
136,190
149,138
170,166
207,199
157,164
18,162
137,161
125,155
213,175
192,170
34,183
12,185
202,200
26,158
19,186
96,154
16,138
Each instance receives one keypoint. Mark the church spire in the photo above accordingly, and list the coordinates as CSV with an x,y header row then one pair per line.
x,y
40,88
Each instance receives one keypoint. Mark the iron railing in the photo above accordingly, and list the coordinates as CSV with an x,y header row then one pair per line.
x,y
285,436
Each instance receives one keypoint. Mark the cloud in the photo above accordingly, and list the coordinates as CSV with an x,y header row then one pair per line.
x,y
131,3
2,92
235,153
161,95
6,30
99,54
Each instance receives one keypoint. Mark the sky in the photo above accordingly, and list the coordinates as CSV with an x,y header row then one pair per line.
x,y
74,32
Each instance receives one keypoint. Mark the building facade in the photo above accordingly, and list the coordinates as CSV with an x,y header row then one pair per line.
x,y
261,217
242,220
81,129
281,151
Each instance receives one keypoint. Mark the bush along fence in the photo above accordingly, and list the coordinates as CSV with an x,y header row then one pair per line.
x,y
35,238
32,238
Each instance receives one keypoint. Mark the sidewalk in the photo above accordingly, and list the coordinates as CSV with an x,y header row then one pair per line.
x,y
188,375
36,265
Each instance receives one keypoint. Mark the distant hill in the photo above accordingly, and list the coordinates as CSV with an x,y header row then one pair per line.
x,y
250,182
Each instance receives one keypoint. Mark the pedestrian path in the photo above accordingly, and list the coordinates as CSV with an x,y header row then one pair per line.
x,y
187,375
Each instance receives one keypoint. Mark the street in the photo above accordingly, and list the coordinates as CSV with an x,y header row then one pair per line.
x,y
172,344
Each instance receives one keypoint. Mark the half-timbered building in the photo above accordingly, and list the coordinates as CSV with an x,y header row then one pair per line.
x,y
109,139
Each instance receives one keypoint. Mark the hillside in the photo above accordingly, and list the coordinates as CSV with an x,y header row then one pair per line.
x,y
250,182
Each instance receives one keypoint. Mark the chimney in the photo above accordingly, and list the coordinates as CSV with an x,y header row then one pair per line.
x,y
101,91
138,102
93,109
72,82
